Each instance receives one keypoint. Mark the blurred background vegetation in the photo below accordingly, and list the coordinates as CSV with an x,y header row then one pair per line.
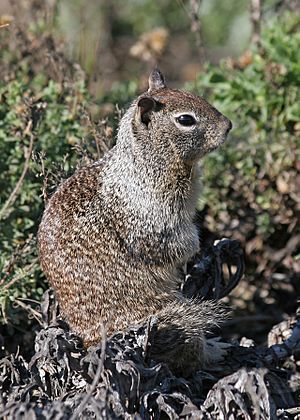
x,y
68,68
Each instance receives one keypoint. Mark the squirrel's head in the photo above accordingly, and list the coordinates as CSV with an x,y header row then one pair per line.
x,y
185,123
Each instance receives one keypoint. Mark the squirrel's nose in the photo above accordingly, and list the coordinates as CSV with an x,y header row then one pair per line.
x,y
227,124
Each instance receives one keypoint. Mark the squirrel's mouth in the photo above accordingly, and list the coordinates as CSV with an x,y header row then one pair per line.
x,y
212,142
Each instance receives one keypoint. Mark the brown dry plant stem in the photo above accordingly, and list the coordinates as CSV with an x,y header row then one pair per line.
x,y
287,348
14,194
29,270
256,21
196,26
32,313
96,378
9,267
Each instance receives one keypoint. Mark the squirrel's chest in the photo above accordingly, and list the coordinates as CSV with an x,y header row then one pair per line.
x,y
164,242
154,229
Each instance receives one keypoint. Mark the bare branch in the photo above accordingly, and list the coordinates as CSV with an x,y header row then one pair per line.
x,y
193,12
31,311
97,376
15,279
256,20
287,348
196,26
14,194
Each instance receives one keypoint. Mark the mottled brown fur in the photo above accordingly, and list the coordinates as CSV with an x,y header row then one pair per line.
x,y
115,236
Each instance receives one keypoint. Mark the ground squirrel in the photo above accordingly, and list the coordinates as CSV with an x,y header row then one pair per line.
x,y
114,237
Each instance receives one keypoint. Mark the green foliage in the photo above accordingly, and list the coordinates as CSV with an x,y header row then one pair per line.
x,y
251,182
121,94
50,115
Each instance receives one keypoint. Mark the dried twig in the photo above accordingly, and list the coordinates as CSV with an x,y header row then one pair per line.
x,y
285,349
292,411
19,253
101,146
14,194
196,26
193,13
256,19
44,173
33,312
10,266
97,376
18,277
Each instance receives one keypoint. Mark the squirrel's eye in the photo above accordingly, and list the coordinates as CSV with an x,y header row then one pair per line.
x,y
186,120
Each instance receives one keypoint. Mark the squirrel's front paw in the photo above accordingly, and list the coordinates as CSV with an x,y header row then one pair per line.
x,y
217,349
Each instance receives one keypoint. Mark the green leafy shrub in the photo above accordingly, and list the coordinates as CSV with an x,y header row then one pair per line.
x,y
42,120
251,183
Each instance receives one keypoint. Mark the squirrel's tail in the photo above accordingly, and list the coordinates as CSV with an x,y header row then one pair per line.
x,y
180,337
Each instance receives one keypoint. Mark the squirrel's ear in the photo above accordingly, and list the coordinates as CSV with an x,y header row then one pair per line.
x,y
156,80
145,106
